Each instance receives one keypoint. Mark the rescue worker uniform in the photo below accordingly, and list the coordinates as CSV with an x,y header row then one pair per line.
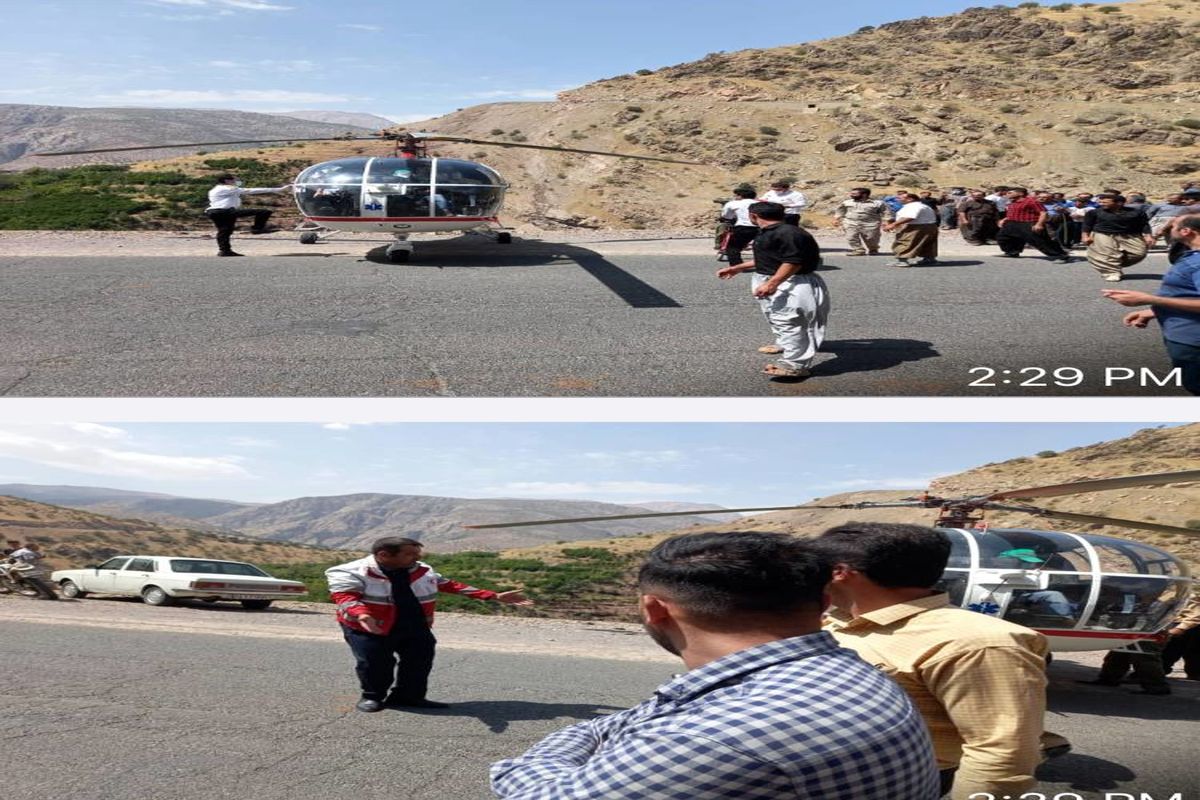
x,y
862,221
392,666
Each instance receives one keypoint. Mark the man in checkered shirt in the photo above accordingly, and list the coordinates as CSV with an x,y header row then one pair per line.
x,y
770,706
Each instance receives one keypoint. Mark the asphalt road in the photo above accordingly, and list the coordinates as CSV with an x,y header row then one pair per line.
x,y
95,712
537,319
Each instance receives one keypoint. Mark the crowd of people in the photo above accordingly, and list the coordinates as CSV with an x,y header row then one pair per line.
x,y
1118,231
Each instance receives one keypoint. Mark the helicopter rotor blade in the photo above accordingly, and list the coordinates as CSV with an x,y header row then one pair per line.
x,y
1093,519
1101,485
552,148
202,144
648,515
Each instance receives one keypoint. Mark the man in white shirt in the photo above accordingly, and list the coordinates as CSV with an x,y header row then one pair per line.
x,y
793,202
916,229
744,230
224,209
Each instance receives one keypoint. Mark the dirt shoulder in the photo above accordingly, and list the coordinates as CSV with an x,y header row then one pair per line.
x,y
315,621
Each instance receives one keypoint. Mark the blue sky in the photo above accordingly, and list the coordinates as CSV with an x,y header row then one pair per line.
x,y
735,464
371,56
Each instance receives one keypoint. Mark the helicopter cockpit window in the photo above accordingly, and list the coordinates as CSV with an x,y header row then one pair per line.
x,y
400,171
331,189
1131,603
1059,605
954,583
1032,550
1119,555
469,189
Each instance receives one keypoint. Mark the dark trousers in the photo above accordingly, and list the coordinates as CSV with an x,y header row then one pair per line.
x,y
1147,668
43,587
1186,646
1014,236
739,238
1187,358
379,674
226,219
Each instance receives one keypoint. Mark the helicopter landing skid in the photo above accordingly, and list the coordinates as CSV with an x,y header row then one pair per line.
x,y
399,251
314,234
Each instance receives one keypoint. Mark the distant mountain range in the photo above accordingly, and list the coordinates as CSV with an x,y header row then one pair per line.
x,y
353,521
26,129
347,118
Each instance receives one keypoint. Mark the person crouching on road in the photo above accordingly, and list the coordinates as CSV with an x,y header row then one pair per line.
x,y
916,229
792,296
385,605
1116,237
224,209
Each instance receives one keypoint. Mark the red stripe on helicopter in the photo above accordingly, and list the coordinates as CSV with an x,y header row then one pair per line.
x,y
404,219
1097,634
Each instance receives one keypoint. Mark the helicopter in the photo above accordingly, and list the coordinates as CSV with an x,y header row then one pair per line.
x,y
406,192
1082,591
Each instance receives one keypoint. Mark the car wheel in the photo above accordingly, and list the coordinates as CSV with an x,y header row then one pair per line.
x,y
154,596
71,589
256,605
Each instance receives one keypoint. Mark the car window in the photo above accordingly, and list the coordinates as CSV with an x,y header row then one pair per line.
x,y
113,563
204,566
140,565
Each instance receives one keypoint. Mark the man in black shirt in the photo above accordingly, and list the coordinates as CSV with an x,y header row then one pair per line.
x,y
792,296
1116,237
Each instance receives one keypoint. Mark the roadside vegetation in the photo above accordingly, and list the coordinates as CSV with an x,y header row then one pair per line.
x,y
586,583
118,198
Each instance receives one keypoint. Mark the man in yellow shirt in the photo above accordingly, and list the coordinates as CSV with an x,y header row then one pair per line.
x,y
979,681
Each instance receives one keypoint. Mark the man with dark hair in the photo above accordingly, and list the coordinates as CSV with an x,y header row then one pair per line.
x,y
224,209
861,219
1117,237
385,605
770,707
1024,224
793,201
916,229
793,298
979,681
737,211
1176,306
979,219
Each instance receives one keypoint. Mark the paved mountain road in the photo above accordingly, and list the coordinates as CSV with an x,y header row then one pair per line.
x,y
112,699
470,318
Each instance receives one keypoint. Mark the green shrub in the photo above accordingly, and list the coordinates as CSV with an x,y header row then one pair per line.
x,y
645,72
1190,122
767,130
1047,453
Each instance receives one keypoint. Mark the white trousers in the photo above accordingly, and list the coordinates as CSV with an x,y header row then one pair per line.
x,y
797,314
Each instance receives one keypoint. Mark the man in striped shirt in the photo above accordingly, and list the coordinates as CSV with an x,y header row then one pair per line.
x,y
770,708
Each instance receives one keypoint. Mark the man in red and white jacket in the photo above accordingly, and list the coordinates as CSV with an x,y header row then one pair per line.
x,y
385,606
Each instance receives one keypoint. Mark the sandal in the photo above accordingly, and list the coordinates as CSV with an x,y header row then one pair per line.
x,y
777,371
770,349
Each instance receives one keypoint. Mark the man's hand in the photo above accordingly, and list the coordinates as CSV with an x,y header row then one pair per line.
x,y
725,273
513,598
766,290
1088,238
369,624
1039,228
1129,298
1139,319
1150,240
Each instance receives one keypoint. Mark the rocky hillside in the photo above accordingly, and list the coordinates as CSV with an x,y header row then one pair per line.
x,y
1149,451
74,538
1070,97
26,129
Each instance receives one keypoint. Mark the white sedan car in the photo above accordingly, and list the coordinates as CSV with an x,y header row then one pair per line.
x,y
160,579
